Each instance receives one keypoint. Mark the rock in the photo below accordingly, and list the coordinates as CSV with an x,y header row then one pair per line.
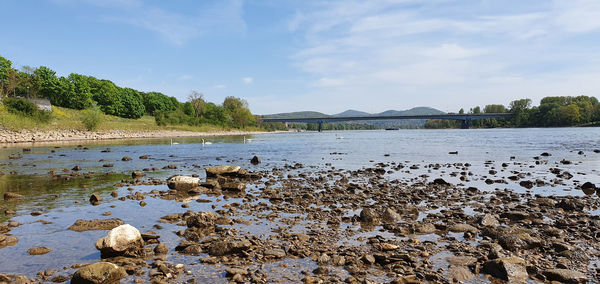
x,y
514,215
125,159
143,157
388,247
367,215
565,276
588,185
460,273
122,240
95,199
275,253
463,228
489,220
255,160
510,269
390,215
211,184
229,246
526,184
222,171
96,224
161,248
368,259
183,182
236,270
440,181
571,205
76,168
101,272
38,250
234,186
137,174
545,154
11,196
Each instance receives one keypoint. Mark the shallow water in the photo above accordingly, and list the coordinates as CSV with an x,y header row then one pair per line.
x,y
64,201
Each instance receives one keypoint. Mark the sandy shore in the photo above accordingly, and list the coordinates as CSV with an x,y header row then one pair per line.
x,y
27,136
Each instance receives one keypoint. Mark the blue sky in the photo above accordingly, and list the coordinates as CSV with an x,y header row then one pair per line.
x,y
327,56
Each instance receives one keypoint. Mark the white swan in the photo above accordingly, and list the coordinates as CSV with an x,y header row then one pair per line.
x,y
206,143
247,140
339,137
174,143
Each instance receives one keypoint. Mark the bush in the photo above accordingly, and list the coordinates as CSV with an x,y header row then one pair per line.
x,y
24,107
91,118
21,106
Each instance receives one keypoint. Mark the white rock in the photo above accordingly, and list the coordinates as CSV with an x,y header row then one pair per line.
x,y
120,240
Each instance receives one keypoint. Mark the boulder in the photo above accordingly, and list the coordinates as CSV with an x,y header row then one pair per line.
x,y
367,215
234,186
489,220
122,240
255,160
183,182
95,199
390,215
96,224
564,276
460,228
38,250
510,269
222,171
101,272
137,174
11,196
228,246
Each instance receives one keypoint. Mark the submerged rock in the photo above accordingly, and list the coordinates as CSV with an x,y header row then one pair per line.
x,y
95,199
101,272
122,240
96,224
255,160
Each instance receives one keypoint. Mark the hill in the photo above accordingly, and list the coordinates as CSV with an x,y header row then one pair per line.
x,y
409,123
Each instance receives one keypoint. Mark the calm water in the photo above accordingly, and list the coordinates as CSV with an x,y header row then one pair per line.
x,y
63,202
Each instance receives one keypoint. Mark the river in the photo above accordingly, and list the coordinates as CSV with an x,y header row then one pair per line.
x,y
509,152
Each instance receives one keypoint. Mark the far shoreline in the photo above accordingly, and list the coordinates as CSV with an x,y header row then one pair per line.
x,y
9,138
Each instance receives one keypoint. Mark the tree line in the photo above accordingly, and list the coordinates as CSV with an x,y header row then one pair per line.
x,y
78,91
557,111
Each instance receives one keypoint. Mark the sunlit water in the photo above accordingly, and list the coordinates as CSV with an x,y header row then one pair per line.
x,y
63,202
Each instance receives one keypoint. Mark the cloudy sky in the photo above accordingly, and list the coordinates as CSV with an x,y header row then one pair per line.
x,y
328,56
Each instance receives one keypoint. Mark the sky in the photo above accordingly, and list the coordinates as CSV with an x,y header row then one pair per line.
x,y
327,56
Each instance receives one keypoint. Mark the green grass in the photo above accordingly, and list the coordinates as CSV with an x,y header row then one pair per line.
x,y
65,119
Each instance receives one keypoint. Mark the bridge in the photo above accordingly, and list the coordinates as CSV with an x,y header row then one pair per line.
x,y
465,119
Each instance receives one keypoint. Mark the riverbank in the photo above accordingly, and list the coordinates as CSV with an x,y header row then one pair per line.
x,y
27,136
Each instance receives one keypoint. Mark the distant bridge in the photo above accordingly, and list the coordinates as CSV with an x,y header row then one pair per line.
x,y
465,119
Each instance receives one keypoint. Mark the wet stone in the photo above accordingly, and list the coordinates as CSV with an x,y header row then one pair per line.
x,y
38,250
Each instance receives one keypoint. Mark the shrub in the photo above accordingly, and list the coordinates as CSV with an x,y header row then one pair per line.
x,y
22,106
91,118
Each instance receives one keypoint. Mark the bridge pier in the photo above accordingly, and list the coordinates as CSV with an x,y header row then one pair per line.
x,y
465,124
320,126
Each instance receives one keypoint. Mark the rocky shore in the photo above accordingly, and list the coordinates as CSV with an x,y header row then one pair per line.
x,y
26,136
355,226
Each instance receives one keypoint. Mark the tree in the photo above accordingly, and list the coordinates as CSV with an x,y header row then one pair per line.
x,y
107,95
81,96
494,109
5,66
155,101
47,81
238,111
132,104
198,102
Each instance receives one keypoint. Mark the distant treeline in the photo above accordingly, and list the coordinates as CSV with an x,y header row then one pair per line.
x,y
552,111
83,92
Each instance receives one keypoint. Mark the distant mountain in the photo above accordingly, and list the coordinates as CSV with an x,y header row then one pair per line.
x,y
298,114
405,123
352,112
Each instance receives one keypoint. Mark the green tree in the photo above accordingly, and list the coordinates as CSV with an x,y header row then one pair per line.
x,y
132,104
238,111
155,101
198,102
5,66
107,95
47,81
81,96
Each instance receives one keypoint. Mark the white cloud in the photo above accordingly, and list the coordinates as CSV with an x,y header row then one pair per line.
x,y
248,80
220,86
415,55
175,27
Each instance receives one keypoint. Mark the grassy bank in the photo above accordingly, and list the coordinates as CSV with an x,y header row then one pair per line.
x,y
66,119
